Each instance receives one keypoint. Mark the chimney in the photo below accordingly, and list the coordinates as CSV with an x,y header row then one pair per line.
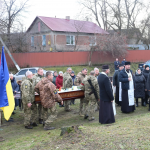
x,y
67,17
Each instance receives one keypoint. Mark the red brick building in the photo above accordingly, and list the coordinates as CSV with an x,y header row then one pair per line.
x,y
55,34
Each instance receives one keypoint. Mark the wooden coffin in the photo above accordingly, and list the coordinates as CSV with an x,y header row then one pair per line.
x,y
69,95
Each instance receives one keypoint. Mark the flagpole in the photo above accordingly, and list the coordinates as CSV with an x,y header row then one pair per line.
x,y
18,68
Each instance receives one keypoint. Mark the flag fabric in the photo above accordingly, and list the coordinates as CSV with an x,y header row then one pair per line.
x,y
7,102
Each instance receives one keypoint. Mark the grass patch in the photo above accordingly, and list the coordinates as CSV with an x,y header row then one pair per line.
x,y
130,131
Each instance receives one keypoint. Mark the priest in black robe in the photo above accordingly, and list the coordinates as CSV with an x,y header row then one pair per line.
x,y
116,84
106,114
127,87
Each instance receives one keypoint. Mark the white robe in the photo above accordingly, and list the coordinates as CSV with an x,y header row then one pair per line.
x,y
130,91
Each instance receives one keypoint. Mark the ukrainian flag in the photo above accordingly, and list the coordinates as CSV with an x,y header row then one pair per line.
x,y
7,102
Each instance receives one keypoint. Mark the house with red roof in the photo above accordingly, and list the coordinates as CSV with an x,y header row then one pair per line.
x,y
55,34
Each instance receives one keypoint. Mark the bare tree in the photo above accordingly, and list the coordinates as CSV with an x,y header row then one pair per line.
x,y
112,44
13,9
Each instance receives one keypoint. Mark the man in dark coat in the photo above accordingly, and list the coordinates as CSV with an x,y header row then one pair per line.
x,y
146,73
140,86
127,84
54,78
106,114
123,62
15,88
116,84
116,64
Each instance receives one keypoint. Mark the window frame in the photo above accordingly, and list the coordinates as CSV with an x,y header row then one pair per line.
x,y
43,44
70,39
91,44
32,41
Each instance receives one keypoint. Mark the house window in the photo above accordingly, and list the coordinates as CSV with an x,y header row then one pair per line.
x,y
39,26
92,40
70,40
32,40
44,40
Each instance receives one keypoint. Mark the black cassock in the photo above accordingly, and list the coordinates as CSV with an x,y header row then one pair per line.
x,y
106,114
125,108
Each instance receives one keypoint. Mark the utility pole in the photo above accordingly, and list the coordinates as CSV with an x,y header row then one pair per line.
x,y
18,68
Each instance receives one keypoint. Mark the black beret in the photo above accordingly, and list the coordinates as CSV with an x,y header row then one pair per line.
x,y
127,63
105,67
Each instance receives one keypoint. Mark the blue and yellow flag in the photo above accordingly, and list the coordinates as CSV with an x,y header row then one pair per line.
x,y
7,102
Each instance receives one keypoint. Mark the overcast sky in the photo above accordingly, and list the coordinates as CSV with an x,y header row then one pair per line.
x,y
51,8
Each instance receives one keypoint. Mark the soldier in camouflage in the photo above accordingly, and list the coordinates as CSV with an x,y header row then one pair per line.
x,y
79,78
48,96
28,101
36,78
89,95
67,83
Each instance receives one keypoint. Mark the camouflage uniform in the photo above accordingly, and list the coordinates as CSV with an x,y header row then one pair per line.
x,y
89,110
67,83
48,95
79,78
28,97
36,78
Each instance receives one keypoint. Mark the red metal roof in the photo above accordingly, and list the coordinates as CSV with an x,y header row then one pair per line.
x,y
65,25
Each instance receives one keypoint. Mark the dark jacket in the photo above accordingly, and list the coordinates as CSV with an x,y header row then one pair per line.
x,y
116,78
123,78
106,93
145,73
73,78
116,65
54,80
14,85
148,85
59,81
123,62
140,83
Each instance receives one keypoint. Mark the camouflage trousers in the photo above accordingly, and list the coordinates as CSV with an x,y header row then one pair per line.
x,y
52,117
30,114
67,105
81,106
40,111
90,108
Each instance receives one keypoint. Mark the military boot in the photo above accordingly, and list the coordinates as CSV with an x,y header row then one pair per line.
x,y
86,116
40,121
29,127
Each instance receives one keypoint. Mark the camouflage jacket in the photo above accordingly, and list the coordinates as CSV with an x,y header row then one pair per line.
x,y
67,80
27,91
48,93
87,88
36,78
79,78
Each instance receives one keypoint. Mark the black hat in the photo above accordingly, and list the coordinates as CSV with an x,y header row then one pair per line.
x,y
105,67
146,66
127,63
120,65
72,72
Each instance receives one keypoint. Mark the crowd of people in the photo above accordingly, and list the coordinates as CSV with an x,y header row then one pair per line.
x,y
98,91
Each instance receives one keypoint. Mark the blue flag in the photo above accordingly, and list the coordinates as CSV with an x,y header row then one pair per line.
x,y
4,77
7,103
